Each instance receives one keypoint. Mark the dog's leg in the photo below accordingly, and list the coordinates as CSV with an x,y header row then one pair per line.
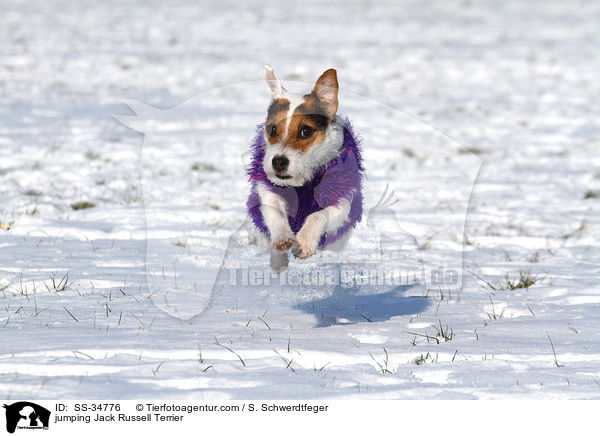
x,y
279,261
328,220
274,211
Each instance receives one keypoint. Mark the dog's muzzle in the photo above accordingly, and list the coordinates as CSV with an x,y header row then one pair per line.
x,y
280,165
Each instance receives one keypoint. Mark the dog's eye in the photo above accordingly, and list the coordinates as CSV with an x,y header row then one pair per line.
x,y
272,130
306,132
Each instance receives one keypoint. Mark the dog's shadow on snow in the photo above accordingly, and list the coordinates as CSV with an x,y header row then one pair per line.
x,y
354,305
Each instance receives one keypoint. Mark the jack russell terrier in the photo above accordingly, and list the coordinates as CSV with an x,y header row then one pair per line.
x,y
306,172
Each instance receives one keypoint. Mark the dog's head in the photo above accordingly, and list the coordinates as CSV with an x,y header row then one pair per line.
x,y
301,131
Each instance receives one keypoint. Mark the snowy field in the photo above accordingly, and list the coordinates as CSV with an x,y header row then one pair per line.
x,y
111,237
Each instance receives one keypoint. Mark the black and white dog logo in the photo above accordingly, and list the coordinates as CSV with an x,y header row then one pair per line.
x,y
26,415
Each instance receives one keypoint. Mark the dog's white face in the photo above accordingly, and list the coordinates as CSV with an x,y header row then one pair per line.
x,y
301,131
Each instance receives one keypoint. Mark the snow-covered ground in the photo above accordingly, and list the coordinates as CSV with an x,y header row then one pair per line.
x,y
440,93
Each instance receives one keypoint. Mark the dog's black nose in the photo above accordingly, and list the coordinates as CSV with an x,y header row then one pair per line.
x,y
280,163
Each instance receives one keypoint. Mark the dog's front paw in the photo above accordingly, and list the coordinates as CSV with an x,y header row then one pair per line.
x,y
283,243
307,240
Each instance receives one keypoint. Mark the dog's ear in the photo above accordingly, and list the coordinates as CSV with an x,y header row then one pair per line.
x,y
273,82
326,89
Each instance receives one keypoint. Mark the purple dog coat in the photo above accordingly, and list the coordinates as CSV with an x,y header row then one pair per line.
x,y
339,178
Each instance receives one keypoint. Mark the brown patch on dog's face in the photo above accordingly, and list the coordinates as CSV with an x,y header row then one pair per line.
x,y
308,125
277,119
